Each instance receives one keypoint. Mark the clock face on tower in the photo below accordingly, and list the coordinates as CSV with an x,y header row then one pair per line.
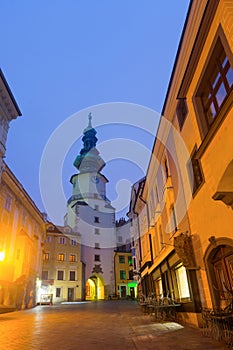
x,y
95,179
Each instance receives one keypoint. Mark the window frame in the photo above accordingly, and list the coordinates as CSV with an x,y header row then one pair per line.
x,y
72,272
208,131
121,259
63,275
72,257
61,257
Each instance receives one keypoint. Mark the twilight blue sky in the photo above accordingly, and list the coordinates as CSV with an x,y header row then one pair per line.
x,y
60,57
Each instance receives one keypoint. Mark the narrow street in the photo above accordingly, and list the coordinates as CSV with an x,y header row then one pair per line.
x,y
96,325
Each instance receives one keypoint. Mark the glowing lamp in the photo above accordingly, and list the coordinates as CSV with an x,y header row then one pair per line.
x,y
2,256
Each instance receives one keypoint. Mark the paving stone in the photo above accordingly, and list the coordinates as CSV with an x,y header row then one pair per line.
x,y
110,325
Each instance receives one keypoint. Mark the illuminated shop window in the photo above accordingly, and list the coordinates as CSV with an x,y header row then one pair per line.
x,y
182,282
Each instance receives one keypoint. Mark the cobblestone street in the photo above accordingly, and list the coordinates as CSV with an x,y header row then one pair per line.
x,y
96,325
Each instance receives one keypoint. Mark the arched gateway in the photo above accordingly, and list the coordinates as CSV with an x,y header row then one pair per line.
x,y
95,288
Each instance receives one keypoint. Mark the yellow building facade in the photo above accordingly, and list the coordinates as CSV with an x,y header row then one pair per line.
x,y
62,267
126,286
21,243
185,210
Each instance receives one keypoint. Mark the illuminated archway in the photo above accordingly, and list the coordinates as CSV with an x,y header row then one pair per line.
x,y
95,288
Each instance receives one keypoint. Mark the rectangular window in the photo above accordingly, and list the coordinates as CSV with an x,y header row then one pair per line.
x,y
58,292
61,257
195,173
72,275
8,202
48,239
97,231
45,275
173,216
215,85
73,242
24,218
120,240
182,282
96,219
96,207
97,246
60,275
46,256
72,257
130,260
62,240
122,274
97,257
166,170
121,259
181,112
161,237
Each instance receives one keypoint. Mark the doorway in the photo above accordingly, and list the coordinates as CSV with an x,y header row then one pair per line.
x,y
70,294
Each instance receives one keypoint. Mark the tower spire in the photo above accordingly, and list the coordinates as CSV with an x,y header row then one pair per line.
x,y
88,158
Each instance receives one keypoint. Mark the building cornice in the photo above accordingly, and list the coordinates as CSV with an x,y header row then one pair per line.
x,y
8,99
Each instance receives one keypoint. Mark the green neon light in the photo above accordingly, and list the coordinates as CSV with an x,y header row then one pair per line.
x,y
132,284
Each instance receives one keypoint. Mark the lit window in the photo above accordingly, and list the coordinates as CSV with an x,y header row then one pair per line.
x,y
45,275
8,202
72,257
97,257
46,256
62,240
122,274
72,275
61,257
182,282
60,275
121,259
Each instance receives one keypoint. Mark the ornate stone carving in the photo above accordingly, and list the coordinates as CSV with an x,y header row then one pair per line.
x,y
184,249
97,269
